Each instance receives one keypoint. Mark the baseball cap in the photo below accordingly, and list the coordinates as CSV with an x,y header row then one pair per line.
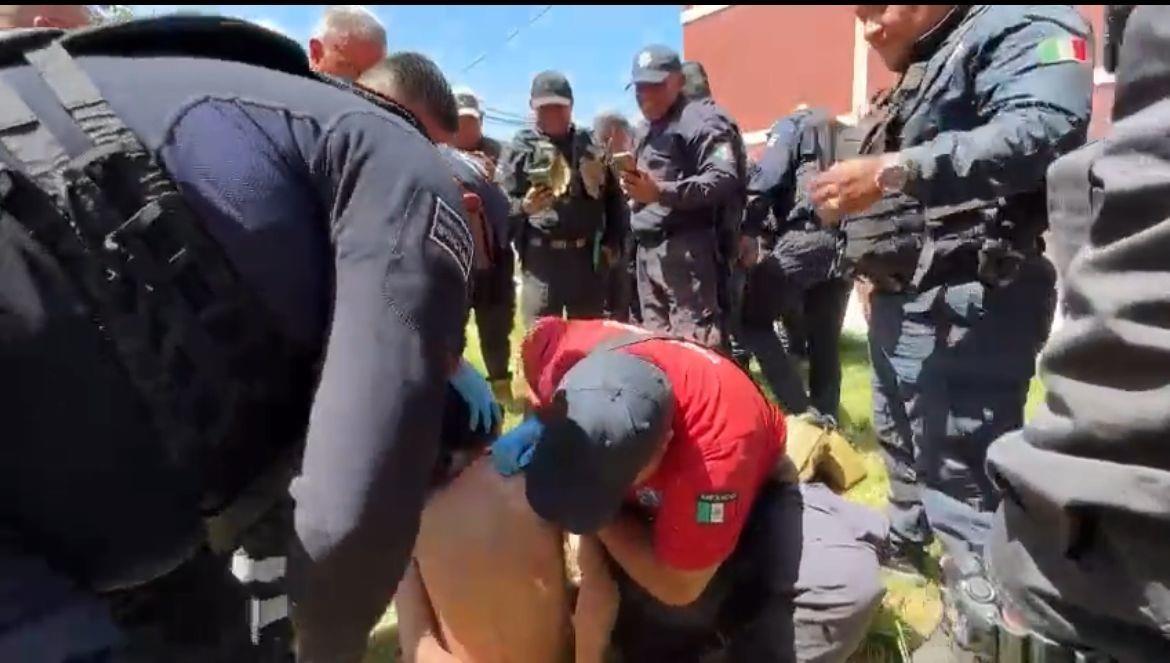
x,y
551,87
617,411
468,103
654,64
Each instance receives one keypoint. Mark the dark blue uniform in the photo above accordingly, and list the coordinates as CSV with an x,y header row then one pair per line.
x,y
345,222
795,279
558,247
691,153
1079,544
991,98
493,293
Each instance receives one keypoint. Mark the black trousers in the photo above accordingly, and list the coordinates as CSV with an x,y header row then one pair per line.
x,y
802,585
493,298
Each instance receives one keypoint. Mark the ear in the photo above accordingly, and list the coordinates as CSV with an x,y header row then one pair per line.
x,y
556,410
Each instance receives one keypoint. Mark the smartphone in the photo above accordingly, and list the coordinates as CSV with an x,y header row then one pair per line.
x,y
625,162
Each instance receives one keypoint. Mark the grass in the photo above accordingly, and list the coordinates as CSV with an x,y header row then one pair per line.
x,y
912,606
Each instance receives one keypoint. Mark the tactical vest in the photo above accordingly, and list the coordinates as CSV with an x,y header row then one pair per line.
x,y
902,246
227,394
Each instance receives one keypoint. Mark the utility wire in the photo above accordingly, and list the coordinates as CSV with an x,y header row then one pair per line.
x,y
511,35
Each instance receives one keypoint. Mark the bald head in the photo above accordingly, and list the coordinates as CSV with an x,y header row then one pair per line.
x,y
65,17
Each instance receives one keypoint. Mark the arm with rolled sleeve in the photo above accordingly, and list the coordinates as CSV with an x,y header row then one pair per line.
x,y
1035,112
400,300
715,178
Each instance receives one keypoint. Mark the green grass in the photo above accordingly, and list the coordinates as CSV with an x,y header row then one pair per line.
x,y
912,605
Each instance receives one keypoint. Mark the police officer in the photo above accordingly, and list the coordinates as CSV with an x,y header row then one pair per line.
x,y
731,242
470,137
493,296
612,132
686,171
558,230
951,202
795,279
196,279
1078,548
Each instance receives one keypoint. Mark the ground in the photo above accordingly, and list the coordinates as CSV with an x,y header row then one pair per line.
x,y
911,609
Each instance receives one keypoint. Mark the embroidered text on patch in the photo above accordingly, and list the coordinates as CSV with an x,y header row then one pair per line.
x,y
713,508
449,230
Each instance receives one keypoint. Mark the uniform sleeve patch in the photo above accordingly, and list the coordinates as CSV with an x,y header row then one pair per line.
x,y
449,230
714,508
1063,49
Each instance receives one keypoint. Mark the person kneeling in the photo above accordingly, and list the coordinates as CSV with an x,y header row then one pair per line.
x,y
662,454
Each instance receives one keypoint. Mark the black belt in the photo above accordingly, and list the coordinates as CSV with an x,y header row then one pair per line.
x,y
559,244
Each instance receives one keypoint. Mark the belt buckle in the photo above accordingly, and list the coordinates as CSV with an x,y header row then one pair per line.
x,y
559,244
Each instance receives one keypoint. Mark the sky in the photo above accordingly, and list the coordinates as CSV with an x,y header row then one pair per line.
x,y
593,46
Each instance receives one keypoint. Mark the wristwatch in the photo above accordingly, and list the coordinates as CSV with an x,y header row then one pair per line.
x,y
893,175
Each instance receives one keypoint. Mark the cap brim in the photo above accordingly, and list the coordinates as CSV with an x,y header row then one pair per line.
x,y
651,77
569,484
554,100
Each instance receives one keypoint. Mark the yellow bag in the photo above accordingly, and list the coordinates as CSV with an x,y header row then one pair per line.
x,y
819,451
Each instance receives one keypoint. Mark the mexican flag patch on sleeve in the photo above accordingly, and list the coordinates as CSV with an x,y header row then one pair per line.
x,y
714,508
1063,49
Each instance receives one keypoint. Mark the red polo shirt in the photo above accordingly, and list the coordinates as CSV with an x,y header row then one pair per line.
x,y
726,439
555,345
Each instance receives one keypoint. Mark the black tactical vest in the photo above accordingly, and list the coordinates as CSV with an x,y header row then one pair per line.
x,y
900,245
107,265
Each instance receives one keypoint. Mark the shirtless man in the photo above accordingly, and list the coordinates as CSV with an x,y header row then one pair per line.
x,y
487,585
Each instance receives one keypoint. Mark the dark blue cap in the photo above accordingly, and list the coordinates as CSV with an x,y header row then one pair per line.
x,y
654,64
611,413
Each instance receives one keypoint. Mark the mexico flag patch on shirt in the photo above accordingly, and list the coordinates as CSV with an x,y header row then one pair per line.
x,y
1063,49
714,508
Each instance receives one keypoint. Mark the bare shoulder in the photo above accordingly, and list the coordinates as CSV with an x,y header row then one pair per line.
x,y
494,571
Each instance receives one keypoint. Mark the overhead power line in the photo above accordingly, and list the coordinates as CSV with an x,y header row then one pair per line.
x,y
511,35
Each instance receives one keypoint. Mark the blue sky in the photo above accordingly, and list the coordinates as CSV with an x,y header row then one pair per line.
x,y
592,45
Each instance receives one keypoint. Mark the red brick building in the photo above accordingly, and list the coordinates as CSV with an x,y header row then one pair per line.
x,y
763,60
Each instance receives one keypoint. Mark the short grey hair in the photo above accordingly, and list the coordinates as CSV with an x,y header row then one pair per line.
x,y
609,120
351,21
414,79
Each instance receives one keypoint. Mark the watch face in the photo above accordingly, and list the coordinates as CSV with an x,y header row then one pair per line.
x,y
892,178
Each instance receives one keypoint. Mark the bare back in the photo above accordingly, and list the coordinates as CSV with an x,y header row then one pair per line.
x,y
494,571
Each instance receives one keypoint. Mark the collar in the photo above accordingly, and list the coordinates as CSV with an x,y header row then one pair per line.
x,y
930,42
671,114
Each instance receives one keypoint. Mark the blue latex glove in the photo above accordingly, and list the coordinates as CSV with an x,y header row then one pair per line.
x,y
513,450
475,390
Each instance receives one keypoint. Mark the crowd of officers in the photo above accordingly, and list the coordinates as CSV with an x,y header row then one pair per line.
x,y
936,201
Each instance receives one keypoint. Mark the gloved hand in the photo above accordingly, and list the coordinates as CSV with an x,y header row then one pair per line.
x,y
513,450
474,388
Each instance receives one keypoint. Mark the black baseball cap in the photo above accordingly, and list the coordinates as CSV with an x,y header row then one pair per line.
x,y
551,87
468,103
617,411
654,64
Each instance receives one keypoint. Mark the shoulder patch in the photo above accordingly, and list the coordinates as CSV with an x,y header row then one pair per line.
x,y
1063,49
449,230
